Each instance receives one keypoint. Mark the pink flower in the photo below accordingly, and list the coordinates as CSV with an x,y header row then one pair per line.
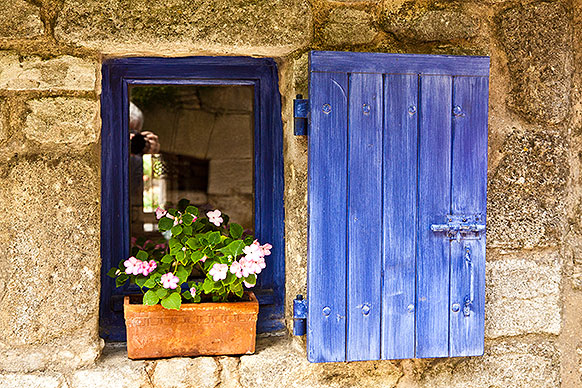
x,y
160,213
203,259
132,266
266,249
193,291
248,285
238,269
215,217
169,280
151,266
218,271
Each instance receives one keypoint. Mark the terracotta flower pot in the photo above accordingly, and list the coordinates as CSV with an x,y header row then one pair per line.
x,y
195,329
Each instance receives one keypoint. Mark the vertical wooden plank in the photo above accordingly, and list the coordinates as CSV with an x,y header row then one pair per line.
x,y
469,198
399,222
327,198
364,216
432,315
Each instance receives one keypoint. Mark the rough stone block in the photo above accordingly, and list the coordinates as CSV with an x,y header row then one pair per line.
x,y
186,25
199,372
227,99
537,39
19,19
527,189
32,381
283,363
513,364
232,137
522,297
419,23
348,26
61,120
114,370
238,207
60,73
230,176
3,121
51,228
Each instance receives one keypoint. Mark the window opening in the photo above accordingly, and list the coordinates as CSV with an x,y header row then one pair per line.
x,y
193,142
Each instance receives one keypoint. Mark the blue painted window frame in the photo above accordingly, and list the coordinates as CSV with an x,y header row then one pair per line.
x,y
261,73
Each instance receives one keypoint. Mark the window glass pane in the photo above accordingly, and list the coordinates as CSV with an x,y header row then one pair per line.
x,y
193,142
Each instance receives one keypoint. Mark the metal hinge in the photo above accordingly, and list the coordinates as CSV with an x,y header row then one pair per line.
x,y
299,315
300,114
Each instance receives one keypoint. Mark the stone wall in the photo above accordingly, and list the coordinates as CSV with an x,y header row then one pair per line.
x,y
50,55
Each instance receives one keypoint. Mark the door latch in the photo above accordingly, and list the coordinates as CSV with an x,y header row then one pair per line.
x,y
462,226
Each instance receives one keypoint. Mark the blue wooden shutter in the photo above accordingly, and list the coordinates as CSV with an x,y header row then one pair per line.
x,y
396,195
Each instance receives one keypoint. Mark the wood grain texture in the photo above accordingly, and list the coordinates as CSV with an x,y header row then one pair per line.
x,y
432,313
327,199
469,197
364,204
385,63
399,218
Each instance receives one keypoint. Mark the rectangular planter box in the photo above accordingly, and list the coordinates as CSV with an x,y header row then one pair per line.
x,y
194,330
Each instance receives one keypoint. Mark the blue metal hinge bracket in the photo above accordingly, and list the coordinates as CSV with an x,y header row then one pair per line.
x,y
299,315
300,115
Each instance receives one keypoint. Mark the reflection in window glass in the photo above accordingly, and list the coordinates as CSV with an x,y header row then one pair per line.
x,y
193,142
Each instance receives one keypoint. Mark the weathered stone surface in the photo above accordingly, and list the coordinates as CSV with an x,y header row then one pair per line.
x,y
32,381
348,26
227,99
527,189
419,23
199,372
537,40
19,19
3,121
114,370
184,25
60,73
232,137
50,255
71,121
229,176
522,297
515,364
283,363
229,372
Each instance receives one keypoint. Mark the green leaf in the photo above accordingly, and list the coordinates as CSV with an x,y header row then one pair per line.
x,y
236,231
141,255
230,278
173,301
182,273
149,283
208,286
187,295
150,298
192,243
214,238
187,219
188,230
140,281
165,223
196,256
237,288
167,259
121,279
176,230
192,210
233,249
113,272
251,279
161,293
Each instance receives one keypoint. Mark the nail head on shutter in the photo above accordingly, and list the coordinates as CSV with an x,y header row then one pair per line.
x,y
326,108
326,311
